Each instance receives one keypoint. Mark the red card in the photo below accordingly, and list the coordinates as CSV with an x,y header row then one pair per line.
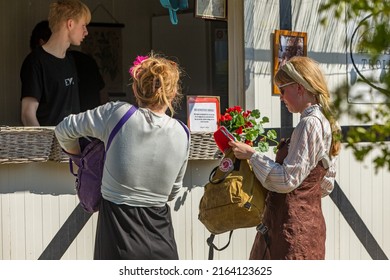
x,y
222,137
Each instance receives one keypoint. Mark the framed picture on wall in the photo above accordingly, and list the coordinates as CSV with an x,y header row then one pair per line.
x,y
211,9
287,44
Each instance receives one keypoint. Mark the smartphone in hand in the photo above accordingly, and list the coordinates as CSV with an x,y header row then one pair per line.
x,y
222,137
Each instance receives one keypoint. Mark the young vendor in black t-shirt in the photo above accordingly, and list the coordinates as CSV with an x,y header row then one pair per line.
x,y
49,77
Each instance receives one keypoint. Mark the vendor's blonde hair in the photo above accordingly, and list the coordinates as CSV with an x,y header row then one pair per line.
x,y
63,10
310,71
156,82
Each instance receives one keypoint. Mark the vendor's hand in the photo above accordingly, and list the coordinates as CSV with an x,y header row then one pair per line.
x,y
242,150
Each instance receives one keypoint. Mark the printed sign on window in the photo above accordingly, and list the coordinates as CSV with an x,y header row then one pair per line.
x,y
203,113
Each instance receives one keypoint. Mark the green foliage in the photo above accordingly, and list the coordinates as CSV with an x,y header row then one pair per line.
x,y
247,126
376,41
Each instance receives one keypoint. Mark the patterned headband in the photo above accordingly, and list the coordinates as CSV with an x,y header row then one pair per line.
x,y
290,70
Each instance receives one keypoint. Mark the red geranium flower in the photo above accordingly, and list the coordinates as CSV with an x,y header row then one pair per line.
x,y
247,127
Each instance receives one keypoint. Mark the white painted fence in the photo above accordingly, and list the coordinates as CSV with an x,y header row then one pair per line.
x,y
39,218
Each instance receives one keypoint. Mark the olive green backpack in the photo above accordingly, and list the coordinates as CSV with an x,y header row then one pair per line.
x,y
233,198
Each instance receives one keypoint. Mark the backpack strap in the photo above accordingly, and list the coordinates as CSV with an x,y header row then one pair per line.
x,y
326,160
212,246
118,126
185,128
236,167
263,229
187,132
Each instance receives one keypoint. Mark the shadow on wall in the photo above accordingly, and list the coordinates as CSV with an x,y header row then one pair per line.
x,y
180,200
37,178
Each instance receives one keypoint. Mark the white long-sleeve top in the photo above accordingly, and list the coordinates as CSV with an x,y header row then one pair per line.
x,y
310,143
147,159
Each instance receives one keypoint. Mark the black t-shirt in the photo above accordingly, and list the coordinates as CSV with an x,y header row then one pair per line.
x,y
90,80
53,82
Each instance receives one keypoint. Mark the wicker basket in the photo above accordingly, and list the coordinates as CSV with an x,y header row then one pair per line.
x,y
57,154
25,144
203,147
38,144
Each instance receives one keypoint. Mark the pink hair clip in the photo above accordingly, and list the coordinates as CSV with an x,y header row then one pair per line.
x,y
138,60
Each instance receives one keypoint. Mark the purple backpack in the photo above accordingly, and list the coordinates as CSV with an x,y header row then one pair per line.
x,y
90,167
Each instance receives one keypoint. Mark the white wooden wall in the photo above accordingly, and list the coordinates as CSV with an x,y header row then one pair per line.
x,y
36,199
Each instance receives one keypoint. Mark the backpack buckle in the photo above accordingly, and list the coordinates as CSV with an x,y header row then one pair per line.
x,y
262,228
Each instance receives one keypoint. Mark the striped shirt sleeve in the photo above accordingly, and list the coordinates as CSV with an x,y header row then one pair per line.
x,y
307,148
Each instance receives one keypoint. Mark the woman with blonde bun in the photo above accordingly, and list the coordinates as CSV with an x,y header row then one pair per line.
x,y
144,167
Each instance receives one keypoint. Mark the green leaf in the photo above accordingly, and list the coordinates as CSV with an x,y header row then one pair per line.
x,y
271,134
255,113
263,146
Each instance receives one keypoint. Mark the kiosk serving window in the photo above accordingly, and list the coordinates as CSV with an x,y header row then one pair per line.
x,y
201,48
